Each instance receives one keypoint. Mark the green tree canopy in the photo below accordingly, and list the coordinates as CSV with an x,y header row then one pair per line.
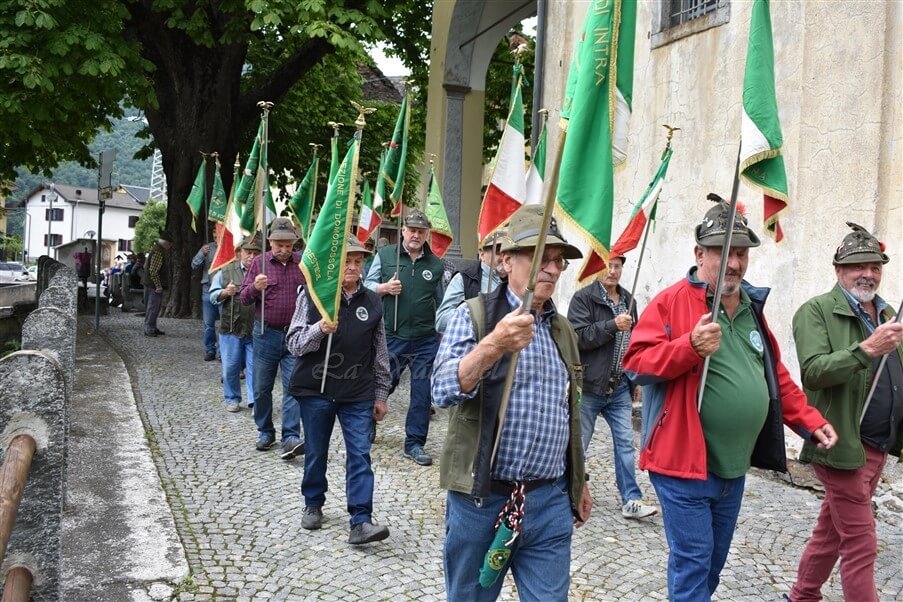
x,y
151,221
195,69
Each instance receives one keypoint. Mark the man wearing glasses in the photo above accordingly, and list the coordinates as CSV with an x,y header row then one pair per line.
x,y
529,453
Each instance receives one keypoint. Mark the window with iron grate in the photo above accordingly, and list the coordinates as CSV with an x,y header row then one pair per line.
x,y
675,19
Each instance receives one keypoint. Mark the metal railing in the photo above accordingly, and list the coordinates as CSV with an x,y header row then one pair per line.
x,y
682,11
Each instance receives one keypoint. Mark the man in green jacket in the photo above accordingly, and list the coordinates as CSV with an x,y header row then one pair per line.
x,y
409,281
841,337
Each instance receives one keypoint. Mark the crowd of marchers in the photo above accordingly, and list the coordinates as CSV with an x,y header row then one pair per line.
x,y
715,393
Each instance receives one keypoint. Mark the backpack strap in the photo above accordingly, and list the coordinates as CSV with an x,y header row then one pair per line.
x,y
477,315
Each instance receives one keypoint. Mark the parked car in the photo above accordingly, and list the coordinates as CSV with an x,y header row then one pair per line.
x,y
33,272
12,271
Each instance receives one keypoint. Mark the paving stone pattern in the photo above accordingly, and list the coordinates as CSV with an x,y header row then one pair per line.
x,y
238,511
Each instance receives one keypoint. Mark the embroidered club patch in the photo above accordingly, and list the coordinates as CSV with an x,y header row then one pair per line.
x,y
427,275
362,314
755,339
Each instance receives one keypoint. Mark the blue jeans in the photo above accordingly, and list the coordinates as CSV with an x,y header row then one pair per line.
x,y
700,517
211,315
318,416
237,353
617,409
540,558
419,355
270,354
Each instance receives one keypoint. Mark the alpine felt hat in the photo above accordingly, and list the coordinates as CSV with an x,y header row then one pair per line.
x,y
524,228
859,246
711,232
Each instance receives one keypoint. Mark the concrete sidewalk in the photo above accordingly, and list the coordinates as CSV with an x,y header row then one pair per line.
x,y
119,538
238,511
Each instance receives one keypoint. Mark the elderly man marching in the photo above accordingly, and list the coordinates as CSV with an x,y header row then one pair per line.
x,y
415,288
281,281
598,313
237,323
355,390
841,337
697,458
535,482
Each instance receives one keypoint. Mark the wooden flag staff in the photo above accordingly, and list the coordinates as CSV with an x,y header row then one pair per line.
x,y
259,196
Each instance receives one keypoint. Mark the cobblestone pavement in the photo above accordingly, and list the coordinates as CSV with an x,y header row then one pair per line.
x,y
238,511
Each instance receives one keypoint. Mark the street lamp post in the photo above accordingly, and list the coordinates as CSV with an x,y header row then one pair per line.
x,y
27,235
53,197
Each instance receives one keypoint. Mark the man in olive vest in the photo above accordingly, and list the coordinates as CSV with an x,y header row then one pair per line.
x,y
236,324
522,463
412,281
355,390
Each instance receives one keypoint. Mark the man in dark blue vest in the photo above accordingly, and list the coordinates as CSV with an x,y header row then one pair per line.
x,y
355,390
414,285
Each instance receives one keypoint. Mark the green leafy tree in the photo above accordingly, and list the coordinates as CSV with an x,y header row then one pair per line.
x,y
151,221
195,69
11,246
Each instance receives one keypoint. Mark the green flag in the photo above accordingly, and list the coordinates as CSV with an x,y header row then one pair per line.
x,y
323,261
397,156
302,202
597,91
441,236
218,201
761,140
195,198
246,184
259,190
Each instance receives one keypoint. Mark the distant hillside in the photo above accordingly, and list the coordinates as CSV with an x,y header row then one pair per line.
x,y
126,169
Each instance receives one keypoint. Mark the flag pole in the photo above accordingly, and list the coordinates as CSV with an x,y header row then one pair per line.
x,y
313,189
206,197
398,261
868,399
548,203
725,253
636,276
229,210
407,91
260,197
379,176
360,122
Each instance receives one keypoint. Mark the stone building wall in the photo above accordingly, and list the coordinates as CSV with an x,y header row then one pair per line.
x,y
838,75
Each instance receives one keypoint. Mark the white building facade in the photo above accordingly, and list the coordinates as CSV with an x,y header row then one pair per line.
x,y
58,214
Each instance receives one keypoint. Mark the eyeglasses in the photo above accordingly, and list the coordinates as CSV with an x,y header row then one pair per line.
x,y
560,262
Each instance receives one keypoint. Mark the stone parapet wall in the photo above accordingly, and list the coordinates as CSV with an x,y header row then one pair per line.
x,y
35,395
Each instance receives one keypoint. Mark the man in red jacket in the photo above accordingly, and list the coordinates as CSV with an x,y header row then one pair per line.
x,y
697,459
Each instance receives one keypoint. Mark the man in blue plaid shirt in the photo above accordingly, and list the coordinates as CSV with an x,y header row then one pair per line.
x,y
539,447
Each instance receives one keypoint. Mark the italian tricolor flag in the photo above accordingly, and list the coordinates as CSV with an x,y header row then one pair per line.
x,y
643,212
537,173
761,163
228,234
507,188
370,218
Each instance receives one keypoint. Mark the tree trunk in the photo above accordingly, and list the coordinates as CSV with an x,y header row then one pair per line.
x,y
200,108
197,91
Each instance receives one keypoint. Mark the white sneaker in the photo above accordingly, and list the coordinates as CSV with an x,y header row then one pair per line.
x,y
637,509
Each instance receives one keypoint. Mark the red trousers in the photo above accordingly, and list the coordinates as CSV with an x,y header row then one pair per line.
x,y
845,528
